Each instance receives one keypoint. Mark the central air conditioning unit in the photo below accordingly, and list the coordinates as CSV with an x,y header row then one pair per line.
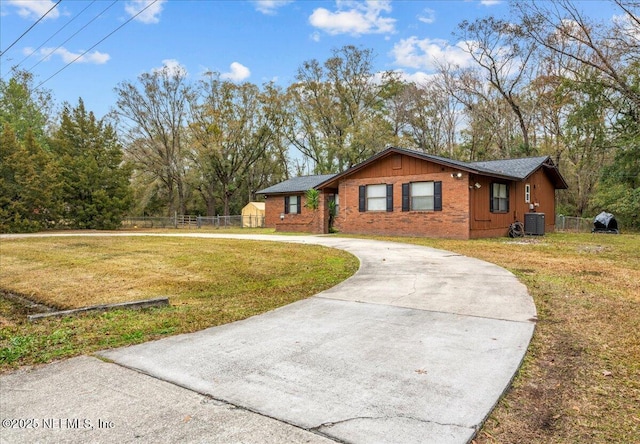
x,y
534,224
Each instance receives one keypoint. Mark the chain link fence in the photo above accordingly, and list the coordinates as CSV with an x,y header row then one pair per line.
x,y
231,221
563,223
574,224
193,222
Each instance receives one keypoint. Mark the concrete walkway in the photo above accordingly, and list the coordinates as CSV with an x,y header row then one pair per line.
x,y
417,346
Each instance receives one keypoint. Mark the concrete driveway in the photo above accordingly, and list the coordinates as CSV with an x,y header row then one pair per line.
x,y
416,347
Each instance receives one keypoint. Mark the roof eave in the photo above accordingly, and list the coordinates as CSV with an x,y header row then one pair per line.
x,y
547,163
558,180
299,185
498,176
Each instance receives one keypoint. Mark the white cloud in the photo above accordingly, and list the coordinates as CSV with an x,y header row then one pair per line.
x,y
270,6
428,53
315,36
356,18
172,67
626,26
34,9
418,77
428,16
95,57
150,15
490,2
238,73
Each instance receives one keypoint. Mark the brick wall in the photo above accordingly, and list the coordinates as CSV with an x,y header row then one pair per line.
x,y
308,221
465,209
273,206
451,222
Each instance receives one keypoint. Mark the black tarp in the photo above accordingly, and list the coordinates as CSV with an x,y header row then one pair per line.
x,y
605,222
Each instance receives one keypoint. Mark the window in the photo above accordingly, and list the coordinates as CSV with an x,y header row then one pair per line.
x,y
422,196
499,198
292,205
527,193
375,197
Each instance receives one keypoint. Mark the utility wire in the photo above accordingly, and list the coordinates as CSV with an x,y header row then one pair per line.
x,y
73,35
30,28
53,35
103,39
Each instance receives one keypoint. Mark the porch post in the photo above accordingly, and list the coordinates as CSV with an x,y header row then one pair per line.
x,y
322,221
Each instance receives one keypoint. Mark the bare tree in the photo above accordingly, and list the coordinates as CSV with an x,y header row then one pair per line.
x,y
152,120
334,110
488,128
498,48
431,116
612,51
233,126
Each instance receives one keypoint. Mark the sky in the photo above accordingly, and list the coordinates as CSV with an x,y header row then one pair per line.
x,y
84,49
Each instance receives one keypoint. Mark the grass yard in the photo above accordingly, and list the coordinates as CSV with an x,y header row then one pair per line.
x,y
208,282
580,381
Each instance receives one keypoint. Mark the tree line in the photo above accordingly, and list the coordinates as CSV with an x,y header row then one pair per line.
x,y
546,81
64,174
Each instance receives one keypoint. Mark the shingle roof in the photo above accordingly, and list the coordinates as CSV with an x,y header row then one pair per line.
x,y
511,169
518,168
515,168
296,184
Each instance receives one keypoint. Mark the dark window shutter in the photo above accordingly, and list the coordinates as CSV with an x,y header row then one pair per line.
x,y
389,197
405,197
491,197
437,196
507,187
299,207
286,204
362,198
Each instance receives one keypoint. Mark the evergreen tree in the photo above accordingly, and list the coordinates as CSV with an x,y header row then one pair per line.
x,y
29,186
24,108
96,188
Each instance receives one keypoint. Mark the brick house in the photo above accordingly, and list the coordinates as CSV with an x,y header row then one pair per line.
x,y
409,193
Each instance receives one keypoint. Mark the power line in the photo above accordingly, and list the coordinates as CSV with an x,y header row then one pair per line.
x,y
73,35
30,28
102,40
53,35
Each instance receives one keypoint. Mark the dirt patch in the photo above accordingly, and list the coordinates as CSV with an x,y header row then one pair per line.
x,y
594,249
